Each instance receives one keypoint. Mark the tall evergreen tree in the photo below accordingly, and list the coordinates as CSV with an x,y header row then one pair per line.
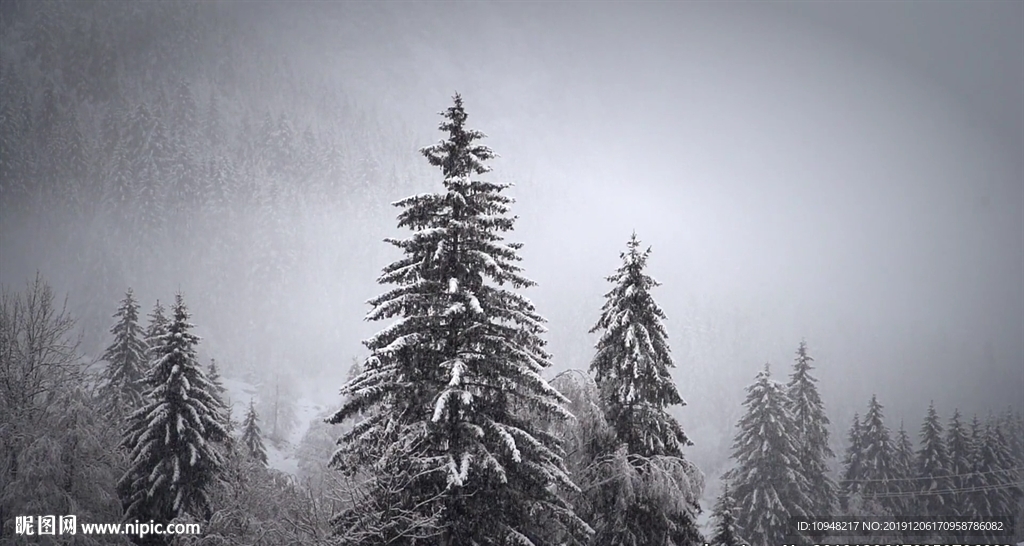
x,y
173,462
155,329
905,470
878,472
768,478
221,394
1006,475
632,364
126,361
449,385
811,433
932,467
958,451
723,515
631,370
992,488
853,463
979,500
252,437
213,374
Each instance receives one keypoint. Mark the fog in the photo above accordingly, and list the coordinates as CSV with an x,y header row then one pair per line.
x,y
846,173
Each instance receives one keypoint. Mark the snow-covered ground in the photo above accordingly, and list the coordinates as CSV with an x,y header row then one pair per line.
x,y
280,456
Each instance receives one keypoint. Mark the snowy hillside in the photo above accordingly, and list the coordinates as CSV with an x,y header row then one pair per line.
x,y
280,455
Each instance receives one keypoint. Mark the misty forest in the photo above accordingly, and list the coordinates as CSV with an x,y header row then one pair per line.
x,y
509,273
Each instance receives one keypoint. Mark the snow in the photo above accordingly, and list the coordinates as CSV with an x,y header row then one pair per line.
x,y
279,456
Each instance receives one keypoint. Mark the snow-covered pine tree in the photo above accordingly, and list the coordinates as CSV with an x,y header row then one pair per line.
x,y
768,482
252,438
811,433
723,515
449,383
1006,473
877,470
905,469
213,374
991,484
632,363
172,460
853,463
958,451
155,329
221,394
979,502
122,390
631,369
932,467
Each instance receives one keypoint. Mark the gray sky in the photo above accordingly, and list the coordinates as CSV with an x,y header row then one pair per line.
x,y
846,172
849,173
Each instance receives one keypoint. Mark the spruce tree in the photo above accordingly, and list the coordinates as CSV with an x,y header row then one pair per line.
x,y
213,374
958,451
449,384
1006,476
877,467
172,458
932,467
726,532
154,330
811,433
768,479
993,489
221,394
252,437
905,470
631,370
121,389
977,491
853,463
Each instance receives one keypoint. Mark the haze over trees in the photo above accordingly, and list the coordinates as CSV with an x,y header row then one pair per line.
x,y
149,148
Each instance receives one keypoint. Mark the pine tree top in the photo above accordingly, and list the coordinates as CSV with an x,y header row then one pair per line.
x,y
724,517
633,360
172,458
904,454
931,457
458,156
125,358
769,481
252,436
450,382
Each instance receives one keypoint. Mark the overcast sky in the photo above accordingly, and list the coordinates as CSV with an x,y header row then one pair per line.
x,y
851,173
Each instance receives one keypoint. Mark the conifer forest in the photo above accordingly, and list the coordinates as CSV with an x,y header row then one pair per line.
x,y
510,273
